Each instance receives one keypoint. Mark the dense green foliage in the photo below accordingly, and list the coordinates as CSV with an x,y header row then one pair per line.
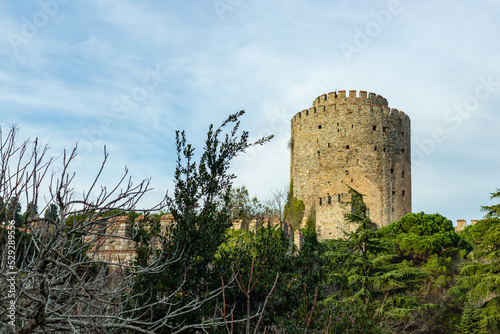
x,y
201,208
11,211
294,209
419,236
416,275
492,211
481,275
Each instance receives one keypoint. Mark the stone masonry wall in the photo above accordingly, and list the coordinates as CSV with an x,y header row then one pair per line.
x,y
354,140
113,241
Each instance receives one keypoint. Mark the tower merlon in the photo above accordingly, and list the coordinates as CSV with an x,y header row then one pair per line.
x,y
322,99
332,96
386,110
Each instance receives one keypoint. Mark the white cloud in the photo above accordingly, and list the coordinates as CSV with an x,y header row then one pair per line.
x,y
271,59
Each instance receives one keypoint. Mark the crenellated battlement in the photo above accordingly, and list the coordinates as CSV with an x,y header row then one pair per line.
x,y
462,224
351,100
351,97
111,240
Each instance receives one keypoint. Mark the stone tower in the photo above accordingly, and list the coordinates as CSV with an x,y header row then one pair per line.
x,y
355,141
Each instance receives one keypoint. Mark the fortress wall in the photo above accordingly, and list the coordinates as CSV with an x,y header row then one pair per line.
x,y
113,241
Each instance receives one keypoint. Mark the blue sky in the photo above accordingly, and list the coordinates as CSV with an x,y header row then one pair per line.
x,y
127,74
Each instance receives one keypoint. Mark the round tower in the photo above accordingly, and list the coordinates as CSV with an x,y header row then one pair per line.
x,y
355,141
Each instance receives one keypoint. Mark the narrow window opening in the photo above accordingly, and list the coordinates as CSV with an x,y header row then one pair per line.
x,y
307,112
402,150
337,123
319,126
347,146
384,149
374,128
403,192
318,154
338,197
375,148
392,170
384,129
393,192
338,130
351,180
320,201
347,160
352,126
403,173
328,144
403,134
329,199
317,141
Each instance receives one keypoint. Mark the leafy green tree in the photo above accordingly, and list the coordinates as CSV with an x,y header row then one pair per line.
x,y
311,221
371,267
481,275
419,235
263,255
13,211
471,320
201,208
348,317
365,269
492,211
300,274
430,243
294,210
31,212
246,208
3,211
52,213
